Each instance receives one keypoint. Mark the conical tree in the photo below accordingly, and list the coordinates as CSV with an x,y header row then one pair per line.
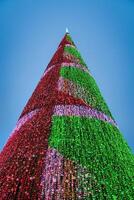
x,y
66,144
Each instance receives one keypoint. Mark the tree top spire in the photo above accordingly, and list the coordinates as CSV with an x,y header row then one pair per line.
x,y
67,31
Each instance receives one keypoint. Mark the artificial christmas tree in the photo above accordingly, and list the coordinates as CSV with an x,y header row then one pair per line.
x,y
66,144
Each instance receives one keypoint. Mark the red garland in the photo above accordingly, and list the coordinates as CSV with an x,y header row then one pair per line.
x,y
22,159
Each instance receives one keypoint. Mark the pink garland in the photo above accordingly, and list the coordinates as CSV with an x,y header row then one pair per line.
x,y
23,120
49,69
52,176
70,45
82,111
79,66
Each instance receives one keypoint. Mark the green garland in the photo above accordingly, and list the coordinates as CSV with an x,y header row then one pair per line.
x,y
93,96
68,37
75,53
92,143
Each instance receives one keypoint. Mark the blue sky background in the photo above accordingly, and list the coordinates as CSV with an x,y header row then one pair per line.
x,y
103,31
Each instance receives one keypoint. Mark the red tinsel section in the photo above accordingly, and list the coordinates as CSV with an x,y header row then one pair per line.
x,y
57,58
45,92
63,99
21,170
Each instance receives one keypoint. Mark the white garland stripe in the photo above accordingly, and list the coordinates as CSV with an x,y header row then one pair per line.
x,y
83,111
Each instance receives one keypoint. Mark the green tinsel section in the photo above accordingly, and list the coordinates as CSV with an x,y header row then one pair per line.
x,y
75,53
69,39
99,147
93,96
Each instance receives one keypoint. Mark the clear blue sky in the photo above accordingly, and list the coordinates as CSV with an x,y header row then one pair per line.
x,y
103,31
